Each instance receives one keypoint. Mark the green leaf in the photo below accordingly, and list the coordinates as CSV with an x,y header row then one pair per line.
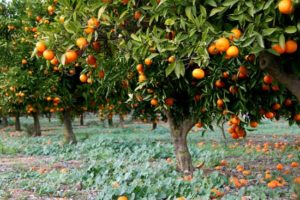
x,y
230,3
169,22
260,40
268,31
188,12
101,11
134,37
282,41
290,29
217,10
211,3
170,69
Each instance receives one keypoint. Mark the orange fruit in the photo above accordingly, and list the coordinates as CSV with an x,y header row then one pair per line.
x,y
291,46
297,117
40,47
253,124
148,62
288,102
294,164
243,72
199,125
142,78
154,102
89,30
54,61
246,172
96,46
269,115
285,7
220,103
71,56
24,61
91,60
137,15
51,9
93,23
101,74
122,198
219,83
279,167
169,101
236,34
83,78
81,42
232,52
276,106
212,50
268,79
171,59
48,54
297,180
140,68
273,184
198,73
222,44
278,49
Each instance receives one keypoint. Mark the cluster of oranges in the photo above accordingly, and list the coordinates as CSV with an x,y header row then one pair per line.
x,y
290,47
235,129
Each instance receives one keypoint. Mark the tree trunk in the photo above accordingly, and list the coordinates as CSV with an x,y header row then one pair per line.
x,y
179,132
154,125
49,117
37,127
5,121
17,123
121,120
81,120
269,62
69,135
110,122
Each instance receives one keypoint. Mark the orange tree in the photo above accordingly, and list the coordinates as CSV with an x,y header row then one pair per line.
x,y
203,60
24,84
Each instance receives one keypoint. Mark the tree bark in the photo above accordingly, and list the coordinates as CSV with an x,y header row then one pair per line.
x,y
268,61
179,132
17,123
49,117
81,120
154,126
37,127
110,122
69,135
121,120
5,121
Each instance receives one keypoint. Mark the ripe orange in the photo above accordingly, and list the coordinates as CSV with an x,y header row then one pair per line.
x,y
220,103
236,34
169,101
148,62
154,102
54,61
142,78
198,73
273,184
288,102
278,49
24,61
222,44
81,42
212,50
71,56
268,79
40,46
171,59
225,74
91,60
285,7
276,106
253,124
96,46
48,54
232,52
199,125
122,198
297,117
83,78
93,23
137,15
294,164
243,72
51,9
101,74
269,115
279,167
291,46
140,68
219,84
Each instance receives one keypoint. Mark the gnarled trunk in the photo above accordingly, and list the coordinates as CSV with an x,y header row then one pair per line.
x,y
154,125
5,121
17,122
81,120
37,127
179,132
69,135
269,62
121,117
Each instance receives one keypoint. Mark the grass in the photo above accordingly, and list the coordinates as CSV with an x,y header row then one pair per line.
x,y
108,162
